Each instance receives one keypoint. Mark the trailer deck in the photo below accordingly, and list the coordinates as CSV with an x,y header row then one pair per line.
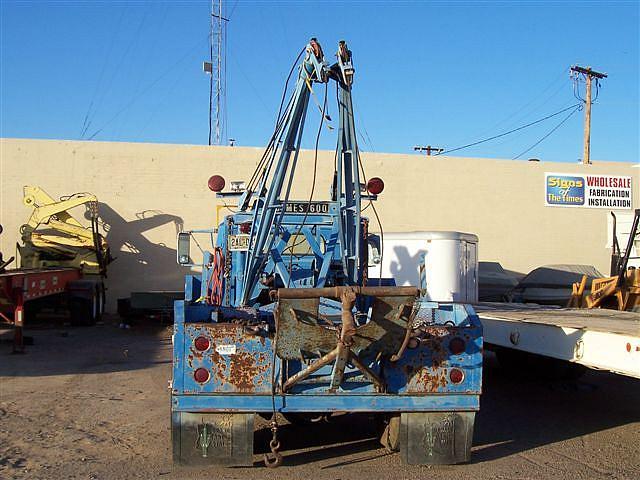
x,y
597,338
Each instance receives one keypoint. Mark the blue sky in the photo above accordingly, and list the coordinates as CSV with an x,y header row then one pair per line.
x,y
439,73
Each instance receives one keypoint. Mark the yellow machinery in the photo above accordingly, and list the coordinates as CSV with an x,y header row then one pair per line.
x,y
620,291
52,237
62,263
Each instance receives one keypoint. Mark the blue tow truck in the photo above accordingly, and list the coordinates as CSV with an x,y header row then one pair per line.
x,y
283,319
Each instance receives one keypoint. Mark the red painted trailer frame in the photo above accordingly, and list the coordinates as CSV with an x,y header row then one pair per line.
x,y
20,286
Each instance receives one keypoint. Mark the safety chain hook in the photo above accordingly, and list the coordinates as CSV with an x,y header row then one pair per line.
x,y
274,445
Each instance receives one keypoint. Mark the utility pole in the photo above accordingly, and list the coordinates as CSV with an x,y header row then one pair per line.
x,y
588,74
428,149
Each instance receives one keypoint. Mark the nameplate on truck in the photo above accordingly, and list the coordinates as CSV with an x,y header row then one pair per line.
x,y
226,349
238,243
307,207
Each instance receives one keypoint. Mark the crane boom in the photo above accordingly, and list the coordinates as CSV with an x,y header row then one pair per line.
x,y
268,203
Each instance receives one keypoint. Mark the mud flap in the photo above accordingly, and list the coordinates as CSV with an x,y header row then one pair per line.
x,y
212,438
436,438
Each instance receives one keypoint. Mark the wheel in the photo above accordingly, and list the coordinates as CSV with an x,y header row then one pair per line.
x,y
390,432
83,311
125,311
100,301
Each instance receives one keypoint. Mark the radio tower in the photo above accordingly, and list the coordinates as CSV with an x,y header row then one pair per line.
x,y
216,69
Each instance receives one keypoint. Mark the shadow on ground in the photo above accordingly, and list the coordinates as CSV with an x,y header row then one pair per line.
x,y
520,414
339,437
62,350
517,414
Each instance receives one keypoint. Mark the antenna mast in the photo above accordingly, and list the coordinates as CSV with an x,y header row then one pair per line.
x,y
216,69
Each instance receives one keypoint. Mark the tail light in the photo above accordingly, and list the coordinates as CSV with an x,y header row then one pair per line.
x,y
201,375
216,183
245,227
201,343
456,375
375,185
457,346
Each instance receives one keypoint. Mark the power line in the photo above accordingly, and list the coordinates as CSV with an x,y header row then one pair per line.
x,y
87,123
524,111
510,131
233,9
578,107
117,70
136,97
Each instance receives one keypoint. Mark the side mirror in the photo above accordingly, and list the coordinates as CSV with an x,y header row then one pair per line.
x,y
184,249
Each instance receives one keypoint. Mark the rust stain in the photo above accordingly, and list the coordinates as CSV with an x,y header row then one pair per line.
x,y
224,329
218,366
195,353
429,379
436,331
427,372
243,371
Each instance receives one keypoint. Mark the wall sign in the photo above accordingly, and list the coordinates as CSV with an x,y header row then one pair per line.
x,y
588,191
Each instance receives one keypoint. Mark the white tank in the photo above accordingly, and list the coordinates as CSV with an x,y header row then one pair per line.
x,y
451,263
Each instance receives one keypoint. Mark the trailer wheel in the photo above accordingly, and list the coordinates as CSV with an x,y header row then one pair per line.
x,y
100,301
84,311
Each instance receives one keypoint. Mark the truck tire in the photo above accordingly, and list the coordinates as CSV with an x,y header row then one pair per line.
x,y
86,301
84,311
389,431
101,300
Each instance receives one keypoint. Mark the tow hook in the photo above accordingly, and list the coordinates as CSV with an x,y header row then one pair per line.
x,y
274,445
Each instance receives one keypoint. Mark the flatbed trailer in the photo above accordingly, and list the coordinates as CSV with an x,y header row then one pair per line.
x,y
596,338
21,286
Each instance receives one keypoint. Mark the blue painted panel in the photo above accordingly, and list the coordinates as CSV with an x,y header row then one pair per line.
x,y
325,403
178,345
192,287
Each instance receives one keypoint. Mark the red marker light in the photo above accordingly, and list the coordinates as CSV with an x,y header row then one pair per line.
x,y
456,375
201,344
375,185
201,375
457,346
216,183
245,227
